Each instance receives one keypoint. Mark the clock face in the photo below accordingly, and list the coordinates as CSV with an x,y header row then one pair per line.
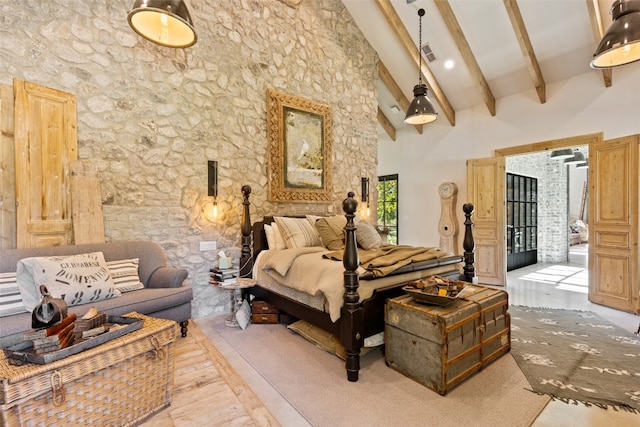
x,y
447,189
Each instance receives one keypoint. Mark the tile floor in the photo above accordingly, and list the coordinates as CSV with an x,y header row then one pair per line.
x,y
566,286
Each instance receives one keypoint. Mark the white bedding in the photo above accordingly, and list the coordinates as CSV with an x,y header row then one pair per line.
x,y
306,271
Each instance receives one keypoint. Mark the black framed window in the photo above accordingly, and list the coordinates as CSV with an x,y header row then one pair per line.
x,y
522,221
387,209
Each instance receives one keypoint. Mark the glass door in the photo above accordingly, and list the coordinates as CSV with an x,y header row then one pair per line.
x,y
522,221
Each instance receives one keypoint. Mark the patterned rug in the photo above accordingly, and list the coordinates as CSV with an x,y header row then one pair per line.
x,y
577,356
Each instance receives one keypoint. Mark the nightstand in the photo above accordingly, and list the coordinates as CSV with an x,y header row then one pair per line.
x,y
241,283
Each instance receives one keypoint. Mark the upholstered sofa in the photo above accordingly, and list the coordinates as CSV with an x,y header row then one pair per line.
x,y
164,294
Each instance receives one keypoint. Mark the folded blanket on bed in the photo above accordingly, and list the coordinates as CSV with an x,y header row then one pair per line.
x,y
387,259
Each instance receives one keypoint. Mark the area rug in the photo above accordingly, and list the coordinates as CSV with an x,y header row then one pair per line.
x,y
577,356
314,382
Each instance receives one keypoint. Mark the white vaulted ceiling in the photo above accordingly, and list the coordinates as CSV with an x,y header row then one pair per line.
x,y
499,48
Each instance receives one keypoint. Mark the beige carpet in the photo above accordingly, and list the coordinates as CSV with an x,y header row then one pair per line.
x,y
314,383
207,390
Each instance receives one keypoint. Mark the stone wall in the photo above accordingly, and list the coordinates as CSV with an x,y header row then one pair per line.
x,y
553,225
150,117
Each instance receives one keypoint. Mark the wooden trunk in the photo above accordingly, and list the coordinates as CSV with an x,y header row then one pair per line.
x,y
440,347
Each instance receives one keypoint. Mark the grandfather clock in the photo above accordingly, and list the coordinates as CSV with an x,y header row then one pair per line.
x,y
448,225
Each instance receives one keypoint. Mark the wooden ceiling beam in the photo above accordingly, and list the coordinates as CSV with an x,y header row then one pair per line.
x,y
396,92
597,28
450,20
407,42
513,10
386,125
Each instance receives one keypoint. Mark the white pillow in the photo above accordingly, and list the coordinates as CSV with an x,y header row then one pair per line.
x,y
78,279
124,273
10,299
297,232
278,236
271,239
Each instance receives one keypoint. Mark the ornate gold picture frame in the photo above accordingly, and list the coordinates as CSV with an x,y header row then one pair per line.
x,y
299,138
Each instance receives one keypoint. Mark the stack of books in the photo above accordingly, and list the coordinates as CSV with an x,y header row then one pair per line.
x,y
223,277
55,337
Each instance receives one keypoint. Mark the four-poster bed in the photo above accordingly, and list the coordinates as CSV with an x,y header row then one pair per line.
x,y
361,313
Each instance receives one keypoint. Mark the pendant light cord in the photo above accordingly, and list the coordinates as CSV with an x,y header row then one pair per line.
x,y
421,14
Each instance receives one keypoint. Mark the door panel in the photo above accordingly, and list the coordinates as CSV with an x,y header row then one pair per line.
x,y
485,189
45,144
7,170
613,213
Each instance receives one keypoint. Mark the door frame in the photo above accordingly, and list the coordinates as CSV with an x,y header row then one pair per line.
x,y
569,142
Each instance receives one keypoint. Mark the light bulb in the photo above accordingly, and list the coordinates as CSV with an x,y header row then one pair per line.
x,y
215,209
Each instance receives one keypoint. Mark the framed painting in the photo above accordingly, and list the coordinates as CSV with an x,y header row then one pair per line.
x,y
299,149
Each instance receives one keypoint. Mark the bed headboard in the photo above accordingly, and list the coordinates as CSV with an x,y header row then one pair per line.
x,y
259,236
251,247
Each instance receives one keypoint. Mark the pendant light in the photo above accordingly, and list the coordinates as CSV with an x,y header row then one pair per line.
x,y
421,110
165,22
621,43
563,153
578,157
583,165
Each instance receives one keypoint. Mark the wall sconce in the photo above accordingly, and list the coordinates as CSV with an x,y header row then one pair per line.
x,y
364,182
165,22
365,189
212,184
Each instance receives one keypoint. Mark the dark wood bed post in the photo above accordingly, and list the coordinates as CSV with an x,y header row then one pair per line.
x,y
246,258
351,315
468,244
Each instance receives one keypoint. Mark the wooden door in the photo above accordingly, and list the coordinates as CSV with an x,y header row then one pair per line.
x,y
45,144
7,170
613,223
485,189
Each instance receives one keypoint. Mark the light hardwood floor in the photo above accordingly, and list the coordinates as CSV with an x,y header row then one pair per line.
x,y
208,391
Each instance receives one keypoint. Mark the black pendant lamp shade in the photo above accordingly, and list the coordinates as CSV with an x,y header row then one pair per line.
x,y
578,157
421,110
621,43
165,22
563,153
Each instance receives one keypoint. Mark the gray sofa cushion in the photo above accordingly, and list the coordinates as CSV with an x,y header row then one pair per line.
x,y
151,255
164,295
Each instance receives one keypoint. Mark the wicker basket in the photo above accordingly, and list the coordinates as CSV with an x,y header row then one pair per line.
x,y
119,383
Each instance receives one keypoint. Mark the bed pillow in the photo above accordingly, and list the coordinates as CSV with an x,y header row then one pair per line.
x,y
78,279
271,239
297,232
274,236
367,236
331,231
10,299
124,274
278,235
313,218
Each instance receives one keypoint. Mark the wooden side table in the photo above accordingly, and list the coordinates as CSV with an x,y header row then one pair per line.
x,y
242,284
